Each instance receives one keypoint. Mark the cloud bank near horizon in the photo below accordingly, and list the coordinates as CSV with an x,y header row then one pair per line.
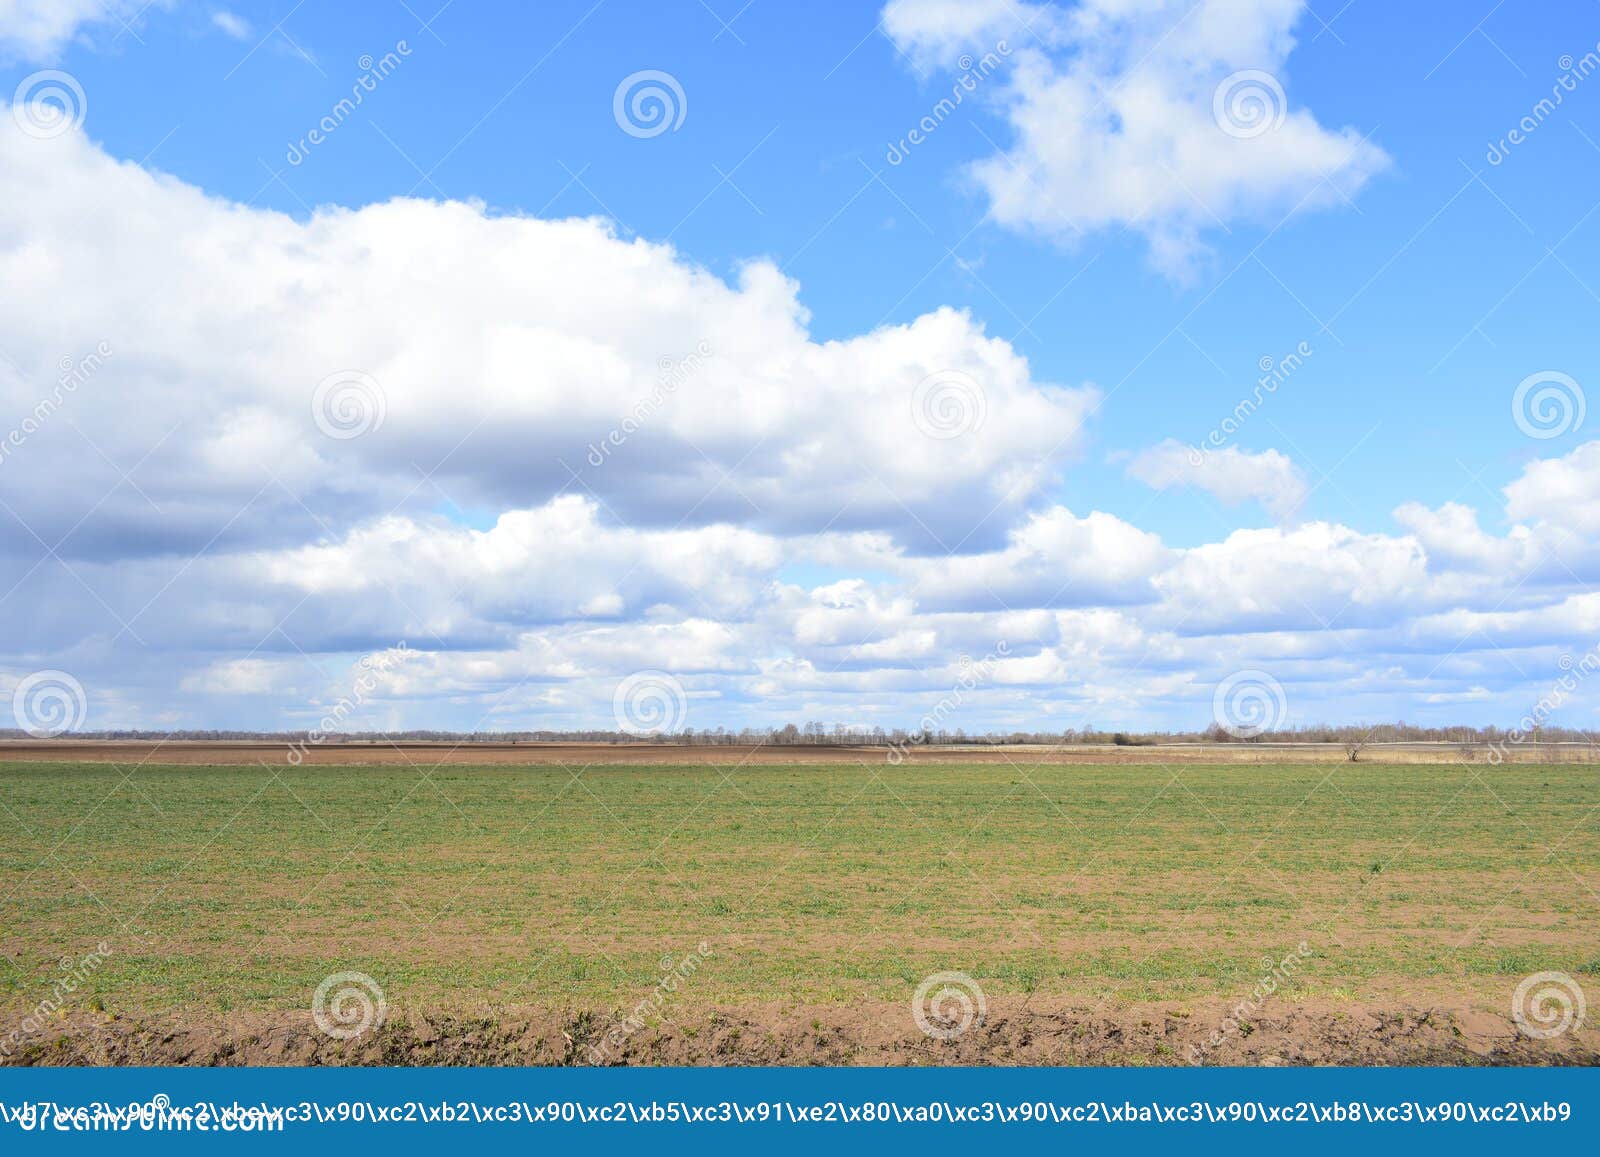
x,y
245,450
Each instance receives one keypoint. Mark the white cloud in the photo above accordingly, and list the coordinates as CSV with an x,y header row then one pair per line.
x,y
231,24
1313,577
1563,492
1117,118
783,529
551,564
1230,475
935,32
36,29
246,677
1452,537
1470,695
507,353
1574,620
1555,536
1054,559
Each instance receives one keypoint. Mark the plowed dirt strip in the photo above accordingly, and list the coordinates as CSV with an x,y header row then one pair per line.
x,y
1011,1033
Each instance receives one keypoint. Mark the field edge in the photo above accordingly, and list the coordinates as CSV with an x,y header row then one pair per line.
x,y
1009,1031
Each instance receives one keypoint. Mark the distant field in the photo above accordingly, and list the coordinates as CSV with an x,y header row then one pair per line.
x,y
473,890
466,753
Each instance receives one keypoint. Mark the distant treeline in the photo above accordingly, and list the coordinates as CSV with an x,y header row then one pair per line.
x,y
840,735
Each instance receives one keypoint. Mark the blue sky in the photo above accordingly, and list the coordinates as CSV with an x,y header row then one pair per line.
x,y
1371,228
806,107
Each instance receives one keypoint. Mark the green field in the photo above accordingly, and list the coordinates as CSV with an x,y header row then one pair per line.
x,y
465,888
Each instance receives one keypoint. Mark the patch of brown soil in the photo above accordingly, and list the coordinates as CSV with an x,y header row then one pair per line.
x,y
1013,1032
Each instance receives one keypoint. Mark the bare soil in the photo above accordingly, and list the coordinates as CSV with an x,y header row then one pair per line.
x,y
1012,1032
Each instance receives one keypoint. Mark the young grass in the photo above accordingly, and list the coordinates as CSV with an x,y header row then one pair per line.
x,y
456,886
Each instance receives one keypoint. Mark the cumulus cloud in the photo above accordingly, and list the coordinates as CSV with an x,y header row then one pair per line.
x,y
555,563
1560,491
1452,537
1230,475
1555,532
1166,117
512,359
1054,559
550,458
1313,577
